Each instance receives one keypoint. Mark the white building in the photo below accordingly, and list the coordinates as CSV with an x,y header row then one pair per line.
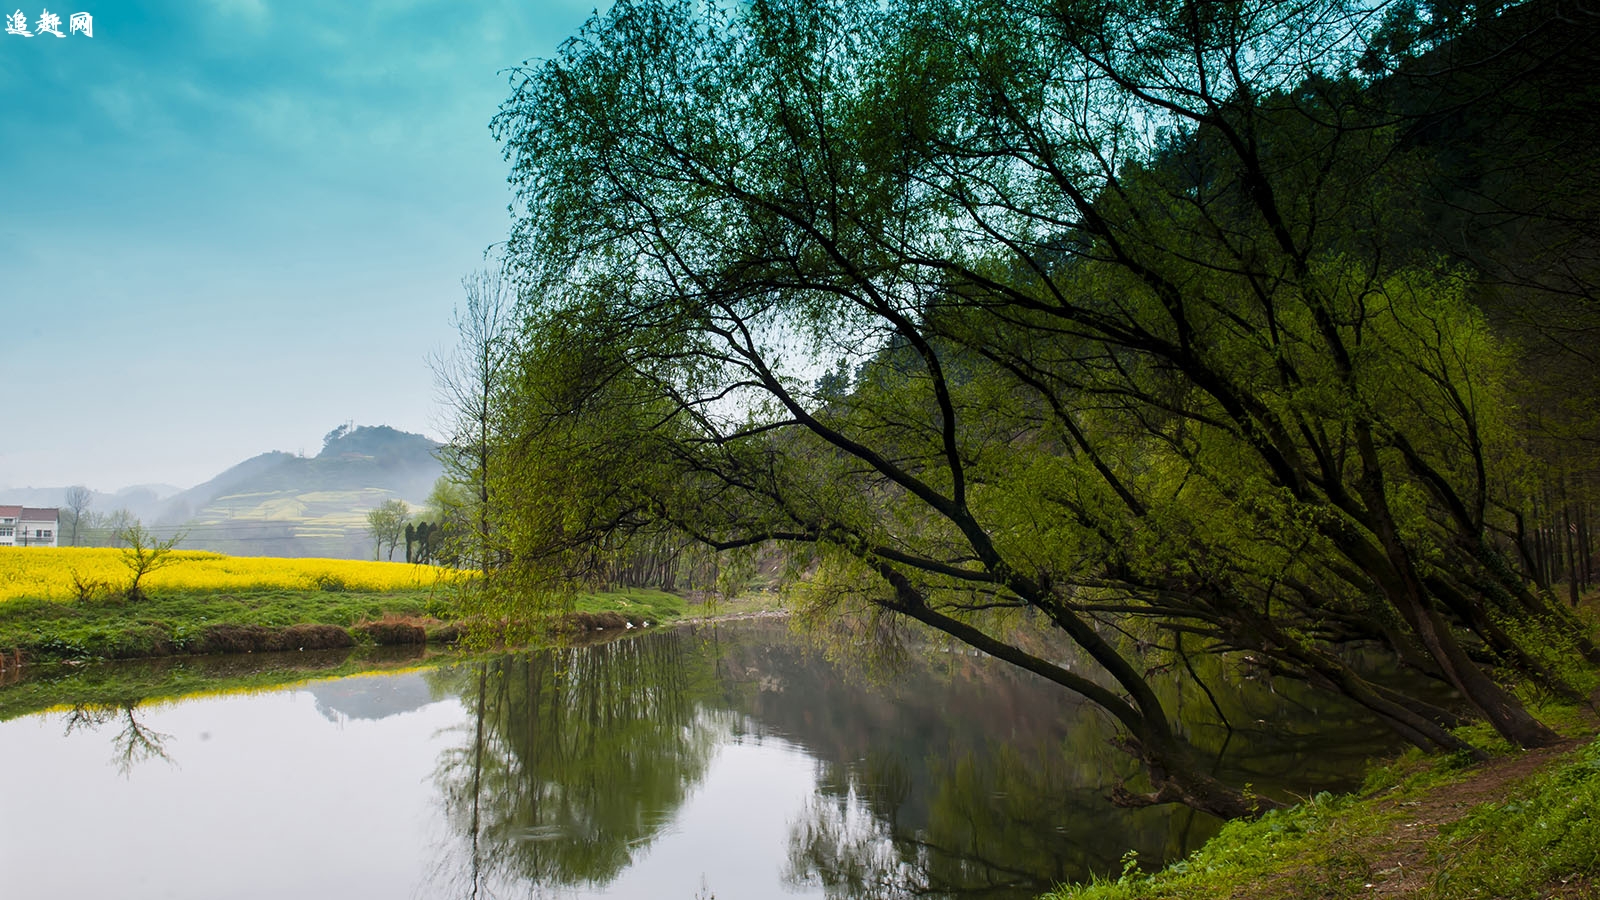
x,y
24,526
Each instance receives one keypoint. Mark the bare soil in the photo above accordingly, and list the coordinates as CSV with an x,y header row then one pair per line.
x,y
1394,863
1398,859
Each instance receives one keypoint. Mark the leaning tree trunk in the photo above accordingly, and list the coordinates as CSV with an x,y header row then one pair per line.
x,y
1397,581
1175,777
1174,773
1388,562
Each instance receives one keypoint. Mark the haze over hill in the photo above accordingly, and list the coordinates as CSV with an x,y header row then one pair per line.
x,y
283,504
280,504
144,501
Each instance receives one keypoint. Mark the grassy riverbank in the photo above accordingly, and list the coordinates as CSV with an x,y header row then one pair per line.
x,y
1522,825
139,683
70,604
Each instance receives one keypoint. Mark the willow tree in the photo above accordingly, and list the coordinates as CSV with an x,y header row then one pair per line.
x,y
1065,312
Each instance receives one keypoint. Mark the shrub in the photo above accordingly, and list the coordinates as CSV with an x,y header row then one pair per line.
x,y
327,581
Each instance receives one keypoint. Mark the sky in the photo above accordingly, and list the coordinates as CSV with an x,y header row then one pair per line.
x,y
227,227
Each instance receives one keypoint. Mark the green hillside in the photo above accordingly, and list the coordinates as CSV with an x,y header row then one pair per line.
x,y
281,504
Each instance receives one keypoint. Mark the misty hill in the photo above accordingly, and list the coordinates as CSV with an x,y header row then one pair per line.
x,y
281,504
144,501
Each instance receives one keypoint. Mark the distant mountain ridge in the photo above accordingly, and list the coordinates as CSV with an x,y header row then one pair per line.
x,y
365,458
281,504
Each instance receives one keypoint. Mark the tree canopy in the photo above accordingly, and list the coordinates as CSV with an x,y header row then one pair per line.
x,y
1107,318
386,523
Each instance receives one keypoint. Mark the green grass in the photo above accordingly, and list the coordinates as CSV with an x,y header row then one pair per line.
x,y
117,628
655,606
1548,833
171,621
1515,848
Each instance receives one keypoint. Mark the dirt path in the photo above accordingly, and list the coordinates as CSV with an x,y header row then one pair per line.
x,y
1399,863
1394,862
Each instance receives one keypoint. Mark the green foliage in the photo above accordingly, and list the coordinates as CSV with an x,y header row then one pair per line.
x,y
1555,645
1145,358
386,524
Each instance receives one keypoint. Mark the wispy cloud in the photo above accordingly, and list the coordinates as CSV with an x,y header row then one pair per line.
x,y
256,206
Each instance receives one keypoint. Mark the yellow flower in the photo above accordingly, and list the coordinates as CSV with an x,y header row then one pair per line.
x,y
47,573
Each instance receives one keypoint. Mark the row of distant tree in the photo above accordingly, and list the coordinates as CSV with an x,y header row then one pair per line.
x,y
430,534
81,525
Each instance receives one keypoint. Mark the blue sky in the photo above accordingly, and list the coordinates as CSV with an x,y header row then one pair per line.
x,y
228,226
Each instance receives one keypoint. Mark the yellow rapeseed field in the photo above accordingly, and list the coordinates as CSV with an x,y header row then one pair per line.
x,y
47,572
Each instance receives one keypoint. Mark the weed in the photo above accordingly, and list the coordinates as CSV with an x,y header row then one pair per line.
x,y
327,581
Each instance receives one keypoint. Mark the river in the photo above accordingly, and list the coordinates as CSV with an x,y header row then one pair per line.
x,y
730,761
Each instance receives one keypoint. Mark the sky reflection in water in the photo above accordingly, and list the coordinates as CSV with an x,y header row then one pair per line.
x,y
729,762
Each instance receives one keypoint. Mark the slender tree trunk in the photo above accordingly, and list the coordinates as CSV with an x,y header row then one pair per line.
x,y
1392,573
1569,535
1174,774
1586,554
1528,548
1541,568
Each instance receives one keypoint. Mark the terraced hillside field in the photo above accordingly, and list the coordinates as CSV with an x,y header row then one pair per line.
x,y
285,505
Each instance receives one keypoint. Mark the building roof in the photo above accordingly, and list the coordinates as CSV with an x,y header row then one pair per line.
x,y
10,512
36,514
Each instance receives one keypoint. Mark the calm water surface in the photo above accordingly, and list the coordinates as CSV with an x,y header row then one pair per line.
x,y
729,762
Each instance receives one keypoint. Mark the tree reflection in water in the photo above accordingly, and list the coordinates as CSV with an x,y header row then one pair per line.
x,y
958,777
1003,821
1014,800
574,759
134,743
